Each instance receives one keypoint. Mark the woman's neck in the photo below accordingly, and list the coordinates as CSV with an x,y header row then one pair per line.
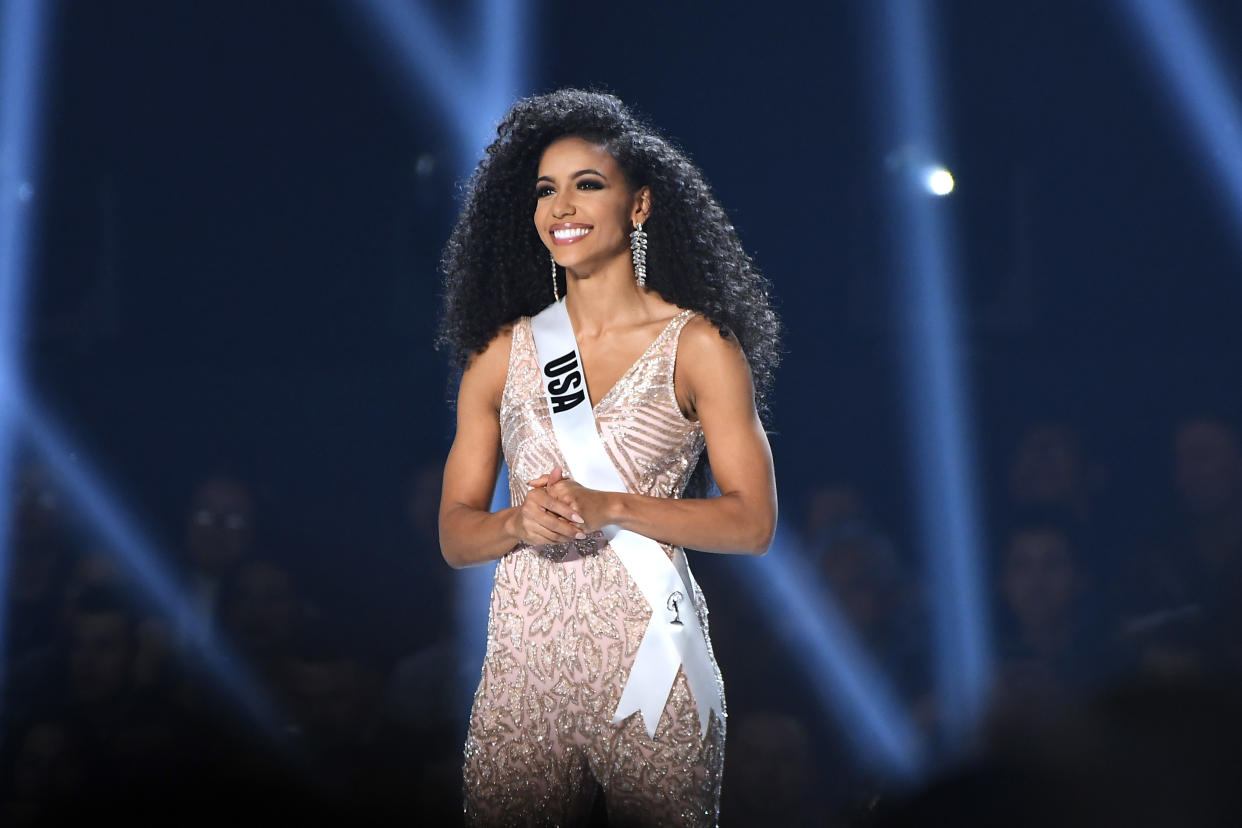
x,y
606,299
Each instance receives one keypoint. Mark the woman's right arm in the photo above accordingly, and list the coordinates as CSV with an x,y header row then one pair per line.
x,y
470,533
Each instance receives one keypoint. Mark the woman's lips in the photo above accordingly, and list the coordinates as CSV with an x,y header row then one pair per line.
x,y
569,233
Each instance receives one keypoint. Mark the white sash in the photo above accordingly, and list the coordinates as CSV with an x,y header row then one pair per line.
x,y
673,638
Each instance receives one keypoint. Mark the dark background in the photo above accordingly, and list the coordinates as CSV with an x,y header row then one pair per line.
x,y
237,260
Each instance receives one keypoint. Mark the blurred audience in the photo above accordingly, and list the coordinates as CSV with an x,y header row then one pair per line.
x,y
882,603
1051,647
106,699
1182,600
219,534
1051,468
772,777
260,609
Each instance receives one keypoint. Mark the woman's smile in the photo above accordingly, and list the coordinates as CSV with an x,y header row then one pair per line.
x,y
569,232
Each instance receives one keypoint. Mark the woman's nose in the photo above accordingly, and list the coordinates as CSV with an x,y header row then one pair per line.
x,y
562,204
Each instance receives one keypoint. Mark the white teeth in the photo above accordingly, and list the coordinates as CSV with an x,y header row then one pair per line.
x,y
571,232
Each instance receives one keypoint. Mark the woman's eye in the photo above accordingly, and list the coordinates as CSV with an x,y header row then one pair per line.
x,y
540,192
590,185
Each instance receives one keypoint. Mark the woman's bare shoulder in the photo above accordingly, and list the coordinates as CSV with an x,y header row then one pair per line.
x,y
488,367
701,339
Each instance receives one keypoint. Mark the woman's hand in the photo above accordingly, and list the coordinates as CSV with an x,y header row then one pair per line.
x,y
590,508
543,518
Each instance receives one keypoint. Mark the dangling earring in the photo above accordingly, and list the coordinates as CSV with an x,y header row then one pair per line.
x,y
556,294
638,251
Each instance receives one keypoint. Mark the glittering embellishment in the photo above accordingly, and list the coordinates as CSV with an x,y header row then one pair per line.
x,y
566,621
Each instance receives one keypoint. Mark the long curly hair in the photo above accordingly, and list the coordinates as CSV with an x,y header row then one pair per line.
x,y
496,268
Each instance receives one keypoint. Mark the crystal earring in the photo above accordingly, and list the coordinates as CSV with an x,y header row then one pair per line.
x,y
556,294
638,251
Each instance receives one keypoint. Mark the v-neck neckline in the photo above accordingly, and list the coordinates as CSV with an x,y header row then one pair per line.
x,y
631,369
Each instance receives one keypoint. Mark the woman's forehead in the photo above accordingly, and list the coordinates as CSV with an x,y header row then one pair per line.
x,y
576,153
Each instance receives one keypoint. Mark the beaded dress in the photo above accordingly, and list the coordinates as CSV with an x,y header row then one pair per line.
x,y
566,622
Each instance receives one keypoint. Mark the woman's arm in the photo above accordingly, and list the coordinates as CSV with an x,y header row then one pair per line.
x,y
469,533
714,380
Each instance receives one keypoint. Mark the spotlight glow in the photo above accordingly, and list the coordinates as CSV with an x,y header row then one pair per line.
x,y
939,416
939,181
474,82
148,565
1202,86
843,675
22,29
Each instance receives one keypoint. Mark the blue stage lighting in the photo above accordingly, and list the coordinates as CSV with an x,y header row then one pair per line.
x,y
844,676
1199,86
939,181
936,392
473,93
22,32
140,556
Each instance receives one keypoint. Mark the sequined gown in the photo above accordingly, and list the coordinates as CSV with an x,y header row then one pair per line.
x,y
566,622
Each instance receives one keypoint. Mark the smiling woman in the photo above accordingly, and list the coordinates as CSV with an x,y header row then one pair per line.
x,y
599,667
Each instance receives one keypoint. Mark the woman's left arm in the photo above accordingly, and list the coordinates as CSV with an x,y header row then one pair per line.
x,y
714,381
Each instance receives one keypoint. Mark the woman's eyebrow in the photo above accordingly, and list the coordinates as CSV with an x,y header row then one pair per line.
x,y
578,174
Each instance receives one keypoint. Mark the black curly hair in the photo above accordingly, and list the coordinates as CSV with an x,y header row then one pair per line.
x,y
496,267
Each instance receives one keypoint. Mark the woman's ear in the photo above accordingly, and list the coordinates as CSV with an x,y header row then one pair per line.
x,y
642,206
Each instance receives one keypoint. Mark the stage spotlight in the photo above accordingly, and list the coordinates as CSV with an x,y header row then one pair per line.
x,y
22,31
938,181
1199,83
938,414
473,82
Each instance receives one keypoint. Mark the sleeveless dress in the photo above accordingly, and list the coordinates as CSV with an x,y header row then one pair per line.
x,y
565,624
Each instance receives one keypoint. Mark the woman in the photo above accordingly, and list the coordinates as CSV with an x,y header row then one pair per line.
x,y
598,666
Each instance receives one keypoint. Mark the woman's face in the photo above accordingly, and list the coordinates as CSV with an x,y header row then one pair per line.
x,y
584,209
1040,579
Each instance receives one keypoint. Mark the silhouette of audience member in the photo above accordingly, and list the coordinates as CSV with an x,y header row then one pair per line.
x,y
127,731
334,700
871,587
47,771
1157,755
1051,649
829,507
219,534
41,556
1184,607
261,610
1051,469
771,776
100,655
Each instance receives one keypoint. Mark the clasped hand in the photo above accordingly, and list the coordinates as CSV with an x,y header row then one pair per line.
x,y
558,510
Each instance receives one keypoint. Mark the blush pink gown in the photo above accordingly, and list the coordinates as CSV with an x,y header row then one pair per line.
x,y
565,624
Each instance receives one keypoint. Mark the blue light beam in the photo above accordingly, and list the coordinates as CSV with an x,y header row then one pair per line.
x,y
939,416
842,674
142,558
474,94
1198,85
22,32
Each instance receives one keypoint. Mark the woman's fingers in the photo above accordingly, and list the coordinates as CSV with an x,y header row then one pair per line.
x,y
542,511
555,505
548,479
